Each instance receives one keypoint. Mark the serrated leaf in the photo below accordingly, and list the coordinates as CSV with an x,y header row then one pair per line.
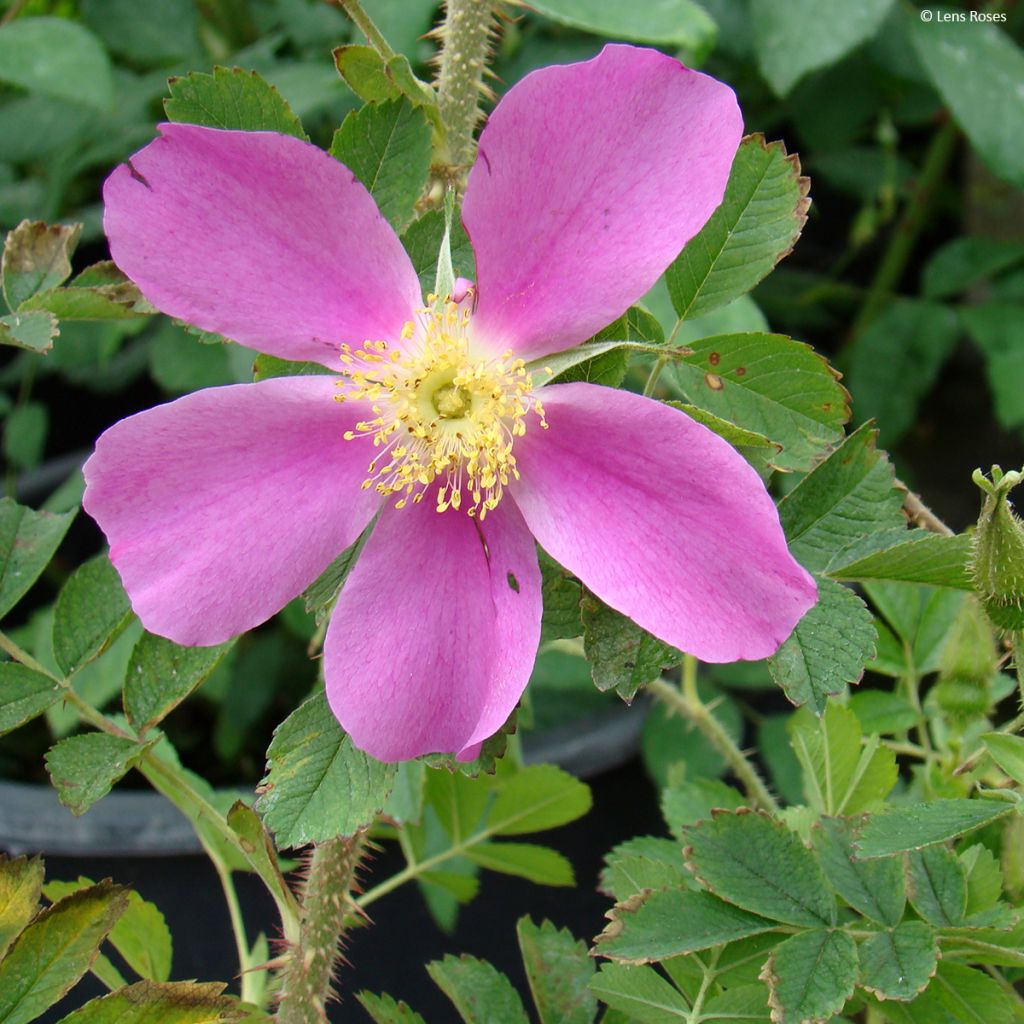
x,y
875,888
179,1002
481,994
623,656
641,994
557,970
828,648
851,497
561,594
898,963
758,223
161,674
37,256
384,1010
1008,752
772,385
986,102
745,1003
458,800
258,846
799,36
737,436
930,559
899,829
33,330
759,865
83,768
56,57
685,802
653,926
231,98
23,695
141,934
957,995
811,975
100,292
28,540
539,864
91,609
21,882
539,797
937,885
55,950
318,785
643,862
388,148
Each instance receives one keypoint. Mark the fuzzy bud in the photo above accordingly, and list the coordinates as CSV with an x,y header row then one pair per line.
x,y
998,558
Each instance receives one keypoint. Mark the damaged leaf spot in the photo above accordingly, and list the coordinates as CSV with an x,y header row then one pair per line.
x,y
713,381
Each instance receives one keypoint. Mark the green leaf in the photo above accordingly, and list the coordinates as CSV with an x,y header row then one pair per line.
x,y
898,963
23,695
964,262
737,436
899,829
746,1003
318,785
92,608
21,882
770,384
643,862
458,801
937,885
537,798
146,32
141,934
759,865
56,57
604,358
561,594
481,994
384,1010
653,926
538,864
957,995
55,950
985,102
896,360
83,768
1007,751
680,23
100,292
686,801
874,888
28,541
622,656
422,241
998,330
388,148
34,331
799,36
257,844
828,649
25,435
231,98
841,775
929,559
641,994
558,969
37,256
179,1002
758,223
161,674
811,975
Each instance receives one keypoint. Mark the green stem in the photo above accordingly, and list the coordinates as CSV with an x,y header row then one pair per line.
x,y
362,21
710,973
466,36
687,703
246,964
908,227
920,514
326,903
652,377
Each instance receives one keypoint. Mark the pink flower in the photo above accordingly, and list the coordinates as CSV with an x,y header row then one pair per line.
x,y
224,505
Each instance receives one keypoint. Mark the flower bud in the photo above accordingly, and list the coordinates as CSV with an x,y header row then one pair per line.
x,y
998,556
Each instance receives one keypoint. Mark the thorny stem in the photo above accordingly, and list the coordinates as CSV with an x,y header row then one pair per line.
x,y
327,903
466,42
362,21
687,703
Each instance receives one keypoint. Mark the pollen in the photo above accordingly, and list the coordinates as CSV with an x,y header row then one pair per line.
x,y
440,411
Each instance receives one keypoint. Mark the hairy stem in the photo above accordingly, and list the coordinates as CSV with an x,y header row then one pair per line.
x,y
362,21
466,43
327,903
687,703
920,514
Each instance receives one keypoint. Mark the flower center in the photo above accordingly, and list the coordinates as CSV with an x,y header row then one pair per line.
x,y
439,413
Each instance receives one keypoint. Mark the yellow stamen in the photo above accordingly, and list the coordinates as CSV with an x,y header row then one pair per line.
x,y
439,413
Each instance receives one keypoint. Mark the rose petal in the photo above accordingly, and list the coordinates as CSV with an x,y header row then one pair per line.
x,y
662,520
224,505
435,632
260,237
590,179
